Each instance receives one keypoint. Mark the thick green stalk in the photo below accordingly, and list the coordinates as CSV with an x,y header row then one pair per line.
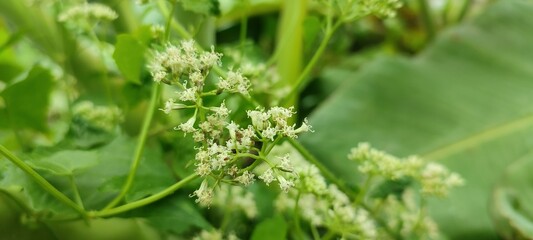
x,y
427,21
141,140
41,181
145,201
467,5
289,51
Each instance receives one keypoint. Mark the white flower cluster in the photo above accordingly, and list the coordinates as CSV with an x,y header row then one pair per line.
x,y
96,11
184,62
333,210
324,204
236,198
100,117
411,220
214,235
435,179
225,149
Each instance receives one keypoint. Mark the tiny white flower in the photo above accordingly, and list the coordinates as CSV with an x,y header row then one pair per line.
x,y
197,78
259,119
285,163
246,178
204,194
188,47
188,127
189,94
232,128
221,111
269,133
267,176
203,169
285,184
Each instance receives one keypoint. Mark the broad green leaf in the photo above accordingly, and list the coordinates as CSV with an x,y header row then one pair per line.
x,y
129,56
103,181
271,228
66,163
511,201
465,102
16,181
27,101
176,214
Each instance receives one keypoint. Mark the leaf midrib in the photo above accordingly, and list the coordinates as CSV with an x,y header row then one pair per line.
x,y
480,137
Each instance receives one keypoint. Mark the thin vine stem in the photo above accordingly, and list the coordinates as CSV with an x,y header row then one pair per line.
x,y
141,140
47,186
145,201
303,79
76,192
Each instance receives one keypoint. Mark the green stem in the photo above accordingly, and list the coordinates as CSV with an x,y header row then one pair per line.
x,y
156,89
289,49
244,29
105,78
145,201
314,232
310,158
464,10
41,181
361,195
76,192
303,78
173,23
296,216
427,21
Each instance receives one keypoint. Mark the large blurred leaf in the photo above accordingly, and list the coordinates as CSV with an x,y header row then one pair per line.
x,y
466,102
271,228
129,56
27,100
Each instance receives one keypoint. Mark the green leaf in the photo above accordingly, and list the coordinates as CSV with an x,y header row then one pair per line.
x,y
27,101
16,181
66,163
271,228
129,56
465,102
206,7
104,180
176,214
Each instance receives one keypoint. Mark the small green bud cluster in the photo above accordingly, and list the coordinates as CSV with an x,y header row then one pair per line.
x,y
349,10
94,11
434,178
99,117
